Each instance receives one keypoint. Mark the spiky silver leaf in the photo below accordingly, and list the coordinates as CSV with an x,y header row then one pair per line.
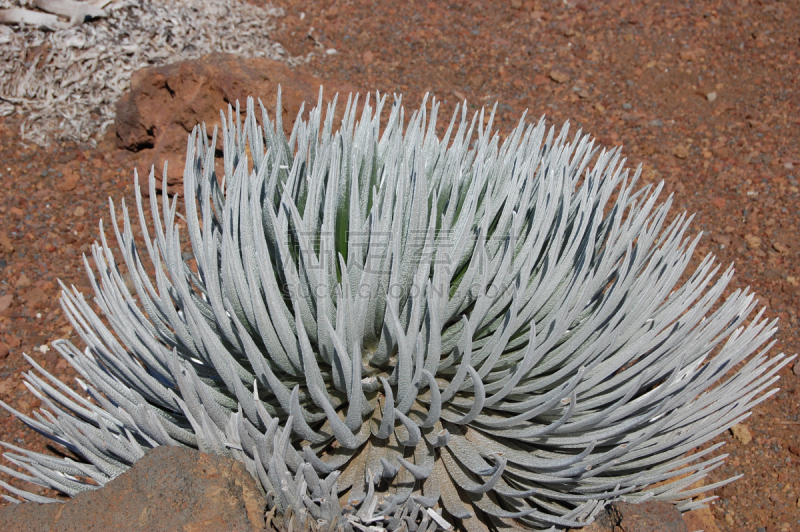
x,y
388,326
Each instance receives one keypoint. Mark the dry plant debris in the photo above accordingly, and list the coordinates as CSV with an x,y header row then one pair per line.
x,y
76,12
65,79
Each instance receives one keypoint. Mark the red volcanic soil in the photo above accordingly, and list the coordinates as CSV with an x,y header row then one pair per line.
x,y
704,95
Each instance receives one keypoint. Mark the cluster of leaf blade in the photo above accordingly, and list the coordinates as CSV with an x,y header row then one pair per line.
x,y
385,324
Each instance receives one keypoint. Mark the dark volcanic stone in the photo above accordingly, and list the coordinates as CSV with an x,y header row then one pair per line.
x,y
170,489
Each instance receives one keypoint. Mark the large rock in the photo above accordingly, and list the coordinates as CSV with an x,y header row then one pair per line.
x,y
164,103
651,516
170,489
180,489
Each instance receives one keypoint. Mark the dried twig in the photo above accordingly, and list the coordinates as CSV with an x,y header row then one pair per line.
x,y
16,15
76,12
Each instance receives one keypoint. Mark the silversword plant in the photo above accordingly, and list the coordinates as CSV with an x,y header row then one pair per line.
x,y
395,329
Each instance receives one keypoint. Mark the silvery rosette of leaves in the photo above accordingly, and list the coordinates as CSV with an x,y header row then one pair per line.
x,y
396,329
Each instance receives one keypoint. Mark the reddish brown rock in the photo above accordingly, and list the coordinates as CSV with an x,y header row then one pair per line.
x,y
650,516
170,488
164,103
701,519
6,301
559,76
5,244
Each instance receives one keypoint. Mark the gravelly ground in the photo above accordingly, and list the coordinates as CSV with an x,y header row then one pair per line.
x,y
703,94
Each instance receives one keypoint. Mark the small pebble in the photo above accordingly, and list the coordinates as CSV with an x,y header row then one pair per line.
x,y
742,433
331,51
752,241
681,152
780,247
559,76
711,96
627,106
